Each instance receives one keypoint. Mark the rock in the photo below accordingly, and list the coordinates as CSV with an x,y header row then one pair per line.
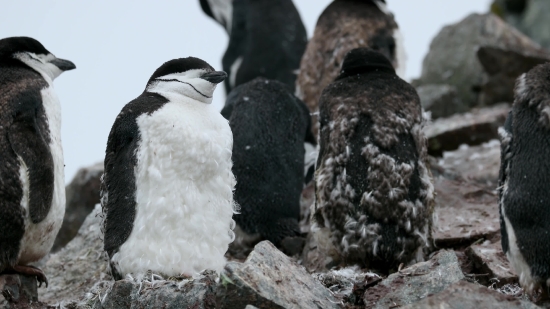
x,y
465,212
452,57
415,282
440,100
478,126
74,270
489,259
82,195
20,291
503,67
465,295
475,163
154,293
270,279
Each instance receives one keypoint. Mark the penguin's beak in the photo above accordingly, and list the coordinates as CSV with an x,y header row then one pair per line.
x,y
215,77
63,65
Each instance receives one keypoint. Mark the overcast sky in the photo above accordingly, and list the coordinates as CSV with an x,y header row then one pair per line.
x,y
117,45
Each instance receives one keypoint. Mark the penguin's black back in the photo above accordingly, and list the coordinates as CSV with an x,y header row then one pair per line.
x,y
271,39
269,127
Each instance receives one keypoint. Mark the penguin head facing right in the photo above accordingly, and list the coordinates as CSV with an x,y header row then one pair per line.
x,y
364,60
33,54
190,77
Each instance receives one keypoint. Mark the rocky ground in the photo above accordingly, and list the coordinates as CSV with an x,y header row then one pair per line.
x,y
466,86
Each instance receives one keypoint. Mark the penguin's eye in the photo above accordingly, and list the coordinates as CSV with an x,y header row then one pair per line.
x,y
35,58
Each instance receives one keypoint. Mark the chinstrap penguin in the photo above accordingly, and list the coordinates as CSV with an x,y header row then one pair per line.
x,y
374,193
343,26
271,132
32,182
524,183
266,38
167,190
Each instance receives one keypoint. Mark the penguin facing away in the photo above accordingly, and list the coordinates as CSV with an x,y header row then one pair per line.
x,y
167,190
32,186
343,26
270,127
374,194
524,180
266,38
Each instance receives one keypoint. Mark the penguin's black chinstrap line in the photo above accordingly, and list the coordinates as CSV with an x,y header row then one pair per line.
x,y
179,81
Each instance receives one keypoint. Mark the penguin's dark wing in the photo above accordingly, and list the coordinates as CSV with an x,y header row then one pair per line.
x,y
119,181
29,137
505,155
218,10
233,56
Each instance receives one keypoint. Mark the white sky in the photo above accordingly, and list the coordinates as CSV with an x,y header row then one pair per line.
x,y
117,45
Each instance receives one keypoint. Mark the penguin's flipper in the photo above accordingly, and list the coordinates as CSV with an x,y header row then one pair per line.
x,y
28,142
119,179
12,229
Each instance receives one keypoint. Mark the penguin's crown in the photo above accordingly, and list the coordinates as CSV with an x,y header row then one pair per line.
x,y
14,45
364,60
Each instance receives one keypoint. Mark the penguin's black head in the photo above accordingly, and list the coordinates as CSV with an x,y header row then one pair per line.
x,y
35,55
364,60
191,77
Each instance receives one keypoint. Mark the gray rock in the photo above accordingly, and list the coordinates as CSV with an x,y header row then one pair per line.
x,y
270,279
348,284
473,128
74,270
465,295
82,195
452,56
489,259
19,291
503,67
440,100
415,282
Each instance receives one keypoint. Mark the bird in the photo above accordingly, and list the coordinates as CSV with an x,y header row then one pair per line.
x,y
271,131
374,191
524,180
343,26
266,38
167,189
32,181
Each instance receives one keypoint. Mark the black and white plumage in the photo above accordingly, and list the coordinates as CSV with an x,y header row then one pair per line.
x,y
374,195
524,184
32,182
343,26
266,38
270,126
167,189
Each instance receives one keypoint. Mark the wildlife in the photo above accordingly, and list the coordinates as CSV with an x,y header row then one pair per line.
x,y
374,193
167,189
32,186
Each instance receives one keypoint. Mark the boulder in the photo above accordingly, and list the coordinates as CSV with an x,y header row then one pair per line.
x,y
440,100
269,279
416,282
452,57
473,128
489,259
465,295
348,284
82,195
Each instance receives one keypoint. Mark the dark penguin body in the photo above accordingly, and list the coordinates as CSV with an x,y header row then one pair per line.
x,y
266,38
32,186
525,182
343,26
374,195
270,126
167,190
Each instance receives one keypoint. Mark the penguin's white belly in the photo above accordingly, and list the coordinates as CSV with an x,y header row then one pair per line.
x,y
39,238
184,195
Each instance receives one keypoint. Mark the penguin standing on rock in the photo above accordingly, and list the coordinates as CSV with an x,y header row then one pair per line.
x,y
167,190
374,194
32,182
524,183
266,38
270,127
343,26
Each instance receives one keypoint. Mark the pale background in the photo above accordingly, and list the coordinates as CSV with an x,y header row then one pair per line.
x,y
117,45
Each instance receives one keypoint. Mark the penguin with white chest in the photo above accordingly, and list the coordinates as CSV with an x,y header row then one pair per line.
x,y
271,130
524,183
32,182
167,190
374,194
